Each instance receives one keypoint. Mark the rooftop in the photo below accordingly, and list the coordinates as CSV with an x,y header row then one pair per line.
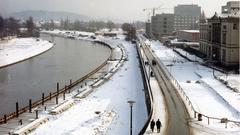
x,y
190,31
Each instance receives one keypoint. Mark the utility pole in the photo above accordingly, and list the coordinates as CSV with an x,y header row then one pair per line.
x,y
131,106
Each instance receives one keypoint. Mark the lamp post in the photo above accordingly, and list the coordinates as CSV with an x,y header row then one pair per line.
x,y
130,102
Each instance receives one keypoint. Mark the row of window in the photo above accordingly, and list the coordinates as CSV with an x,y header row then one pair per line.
x,y
205,36
185,22
184,25
224,27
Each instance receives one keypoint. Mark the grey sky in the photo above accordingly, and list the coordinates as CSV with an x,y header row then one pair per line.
x,y
115,9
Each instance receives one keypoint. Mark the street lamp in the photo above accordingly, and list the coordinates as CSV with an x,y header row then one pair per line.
x,y
131,106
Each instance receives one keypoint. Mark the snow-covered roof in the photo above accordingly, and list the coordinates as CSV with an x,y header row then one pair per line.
x,y
190,31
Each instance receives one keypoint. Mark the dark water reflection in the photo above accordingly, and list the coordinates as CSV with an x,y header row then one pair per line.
x,y
68,59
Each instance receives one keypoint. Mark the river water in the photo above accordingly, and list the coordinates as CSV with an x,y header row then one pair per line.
x,y
68,59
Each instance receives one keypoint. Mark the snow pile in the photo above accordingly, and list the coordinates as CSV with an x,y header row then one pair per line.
x,y
19,49
87,118
232,81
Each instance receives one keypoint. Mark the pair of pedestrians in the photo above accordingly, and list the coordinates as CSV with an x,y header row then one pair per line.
x,y
158,124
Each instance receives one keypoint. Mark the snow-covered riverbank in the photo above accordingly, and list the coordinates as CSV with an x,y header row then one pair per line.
x,y
20,49
110,100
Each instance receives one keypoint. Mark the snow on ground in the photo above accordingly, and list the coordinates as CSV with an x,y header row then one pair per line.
x,y
111,100
159,105
231,80
19,49
189,55
80,119
208,95
125,85
71,34
160,110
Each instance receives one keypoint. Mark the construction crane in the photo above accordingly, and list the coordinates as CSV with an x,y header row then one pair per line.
x,y
153,9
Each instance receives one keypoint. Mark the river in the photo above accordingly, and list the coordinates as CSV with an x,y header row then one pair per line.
x,y
68,59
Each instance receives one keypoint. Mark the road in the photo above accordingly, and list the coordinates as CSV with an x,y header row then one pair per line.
x,y
177,113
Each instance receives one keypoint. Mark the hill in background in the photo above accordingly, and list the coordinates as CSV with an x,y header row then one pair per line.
x,y
48,15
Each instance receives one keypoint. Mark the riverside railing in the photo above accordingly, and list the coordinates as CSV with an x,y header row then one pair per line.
x,y
189,105
55,94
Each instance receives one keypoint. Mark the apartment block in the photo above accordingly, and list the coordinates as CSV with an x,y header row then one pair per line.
x,y
186,17
162,24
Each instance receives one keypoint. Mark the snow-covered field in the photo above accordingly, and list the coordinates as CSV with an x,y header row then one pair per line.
x,y
19,49
110,99
209,96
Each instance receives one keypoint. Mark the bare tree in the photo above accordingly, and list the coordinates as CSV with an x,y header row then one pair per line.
x,y
1,27
131,31
52,25
30,26
110,25
12,26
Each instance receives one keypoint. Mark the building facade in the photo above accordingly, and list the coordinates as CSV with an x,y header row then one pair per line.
x,y
162,24
148,29
186,17
231,7
188,35
219,38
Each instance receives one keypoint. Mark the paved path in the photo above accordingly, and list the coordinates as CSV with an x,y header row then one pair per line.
x,y
178,115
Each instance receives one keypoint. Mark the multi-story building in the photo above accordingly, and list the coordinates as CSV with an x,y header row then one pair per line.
x,y
148,29
162,24
219,38
231,7
186,17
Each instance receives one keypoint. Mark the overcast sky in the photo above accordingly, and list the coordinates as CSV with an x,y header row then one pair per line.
x,y
128,10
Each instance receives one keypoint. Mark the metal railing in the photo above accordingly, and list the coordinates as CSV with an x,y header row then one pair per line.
x,y
148,95
187,100
41,101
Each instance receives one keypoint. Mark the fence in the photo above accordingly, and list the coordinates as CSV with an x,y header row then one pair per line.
x,y
148,91
41,101
187,101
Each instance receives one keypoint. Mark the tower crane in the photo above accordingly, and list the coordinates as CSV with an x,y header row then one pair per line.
x,y
153,9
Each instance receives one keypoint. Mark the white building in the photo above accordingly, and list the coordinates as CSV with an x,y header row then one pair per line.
x,y
231,7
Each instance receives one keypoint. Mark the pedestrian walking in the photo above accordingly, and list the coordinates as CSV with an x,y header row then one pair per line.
x,y
159,125
152,125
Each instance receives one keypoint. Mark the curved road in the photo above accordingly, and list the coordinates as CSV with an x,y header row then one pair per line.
x,y
177,113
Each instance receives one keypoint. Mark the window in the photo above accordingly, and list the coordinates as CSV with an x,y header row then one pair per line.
x,y
165,18
224,27
210,36
224,38
165,31
235,26
223,55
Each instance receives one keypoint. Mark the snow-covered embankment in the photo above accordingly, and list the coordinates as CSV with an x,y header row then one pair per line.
x,y
20,49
